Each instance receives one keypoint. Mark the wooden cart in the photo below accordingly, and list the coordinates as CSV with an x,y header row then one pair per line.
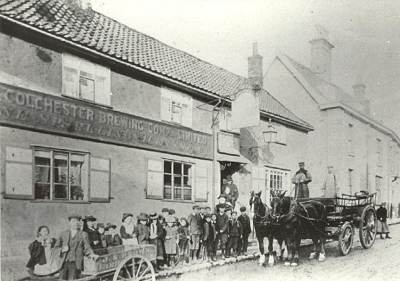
x,y
348,212
121,263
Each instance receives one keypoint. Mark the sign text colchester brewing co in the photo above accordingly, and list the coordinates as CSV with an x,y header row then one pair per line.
x,y
24,108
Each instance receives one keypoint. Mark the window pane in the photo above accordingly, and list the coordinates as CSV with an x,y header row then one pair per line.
x,y
187,169
167,180
60,168
177,168
42,191
187,182
42,174
60,191
178,181
167,167
167,193
86,88
187,194
76,193
42,161
76,172
177,193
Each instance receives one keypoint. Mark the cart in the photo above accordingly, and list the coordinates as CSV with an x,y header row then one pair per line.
x,y
345,214
120,263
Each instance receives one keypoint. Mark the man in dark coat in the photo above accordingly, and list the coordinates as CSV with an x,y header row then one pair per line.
x,y
246,230
230,190
74,244
301,180
235,234
93,234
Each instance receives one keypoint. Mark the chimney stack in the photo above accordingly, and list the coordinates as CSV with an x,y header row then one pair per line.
x,y
359,94
321,54
83,4
255,65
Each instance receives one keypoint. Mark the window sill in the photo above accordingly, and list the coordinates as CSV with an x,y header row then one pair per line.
x,y
88,101
172,200
60,201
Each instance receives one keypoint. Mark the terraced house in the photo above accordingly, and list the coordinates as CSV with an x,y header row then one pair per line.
x,y
98,118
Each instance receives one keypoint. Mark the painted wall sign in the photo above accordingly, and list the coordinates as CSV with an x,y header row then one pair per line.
x,y
228,143
59,115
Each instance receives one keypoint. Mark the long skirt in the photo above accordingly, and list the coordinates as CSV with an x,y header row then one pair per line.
x,y
302,191
170,246
159,246
382,227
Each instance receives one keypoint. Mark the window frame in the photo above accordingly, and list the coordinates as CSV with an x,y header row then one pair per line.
x,y
178,100
182,176
52,151
277,172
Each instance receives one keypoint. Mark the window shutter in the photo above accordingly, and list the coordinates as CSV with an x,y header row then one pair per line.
x,y
18,173
155,179
70,81
201,184
100,179
187,111
102,85
165,106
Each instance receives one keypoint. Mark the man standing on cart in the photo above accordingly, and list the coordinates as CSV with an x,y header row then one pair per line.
x,y
301,180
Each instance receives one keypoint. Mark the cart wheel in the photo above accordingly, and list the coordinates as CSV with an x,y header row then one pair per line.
x,y
345,240
135,268
367,227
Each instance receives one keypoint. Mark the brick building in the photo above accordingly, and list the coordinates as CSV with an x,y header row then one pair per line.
x,y
98,118
365,153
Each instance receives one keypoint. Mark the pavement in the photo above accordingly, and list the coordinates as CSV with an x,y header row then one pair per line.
x,y
253,253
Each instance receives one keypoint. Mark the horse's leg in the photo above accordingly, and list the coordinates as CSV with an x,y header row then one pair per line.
x,y
289,246
314,253
270,248
295,261
322,253
260,240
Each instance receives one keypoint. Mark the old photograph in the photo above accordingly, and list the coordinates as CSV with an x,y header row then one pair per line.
x,y
191,140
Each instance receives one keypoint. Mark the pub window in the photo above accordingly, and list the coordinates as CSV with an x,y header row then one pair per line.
x,y
176,107
60,175
85,80
177,180
277,179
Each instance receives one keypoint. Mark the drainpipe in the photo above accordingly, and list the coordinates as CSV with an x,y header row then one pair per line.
x,y
215,152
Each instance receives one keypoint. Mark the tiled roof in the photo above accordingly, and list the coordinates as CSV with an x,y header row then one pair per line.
x,y
93,30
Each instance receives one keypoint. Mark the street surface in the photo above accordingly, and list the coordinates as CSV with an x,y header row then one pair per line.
x,y
380,263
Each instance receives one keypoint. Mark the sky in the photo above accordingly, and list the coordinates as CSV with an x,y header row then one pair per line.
x,y
365,33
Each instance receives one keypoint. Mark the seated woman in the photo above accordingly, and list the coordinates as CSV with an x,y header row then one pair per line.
x,y
41,262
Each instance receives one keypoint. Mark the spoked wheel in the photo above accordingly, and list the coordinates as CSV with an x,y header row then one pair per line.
x,y
135,268
368,227
346,237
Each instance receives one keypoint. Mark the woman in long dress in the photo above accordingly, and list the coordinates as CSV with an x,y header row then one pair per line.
x,y
128,230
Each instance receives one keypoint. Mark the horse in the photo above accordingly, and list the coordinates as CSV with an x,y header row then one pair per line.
x,y
264,227
300,220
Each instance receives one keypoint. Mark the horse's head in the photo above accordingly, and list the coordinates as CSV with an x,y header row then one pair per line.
x,y
255,200
278,204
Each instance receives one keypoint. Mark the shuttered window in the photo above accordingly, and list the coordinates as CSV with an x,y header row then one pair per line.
x,y
176,107
85,80
100,179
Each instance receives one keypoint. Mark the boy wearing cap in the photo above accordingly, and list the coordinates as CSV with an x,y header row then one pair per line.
x,y
194,221
235,233
143,232
222,229
74,244
246,230
208,238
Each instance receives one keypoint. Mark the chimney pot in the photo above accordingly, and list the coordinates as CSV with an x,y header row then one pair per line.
x,y
255,69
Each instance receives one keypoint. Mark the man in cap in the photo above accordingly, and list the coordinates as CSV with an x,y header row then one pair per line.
x,y
221,227
301,180
195,231
93,234
74,244
230,190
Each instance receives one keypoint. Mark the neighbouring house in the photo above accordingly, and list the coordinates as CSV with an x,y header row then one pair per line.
x,y
97,118
365,153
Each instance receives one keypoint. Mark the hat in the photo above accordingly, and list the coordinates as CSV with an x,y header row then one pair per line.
x,y
171,211
100,225
195,207
74,216
243,209
184,219
233,212
219,206
222,196
125,215
89,218
160,217
207,216
165,210
301,163
228,177
142,217
153,216
170,219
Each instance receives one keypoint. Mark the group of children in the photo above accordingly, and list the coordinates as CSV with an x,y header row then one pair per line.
x,y
177,240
